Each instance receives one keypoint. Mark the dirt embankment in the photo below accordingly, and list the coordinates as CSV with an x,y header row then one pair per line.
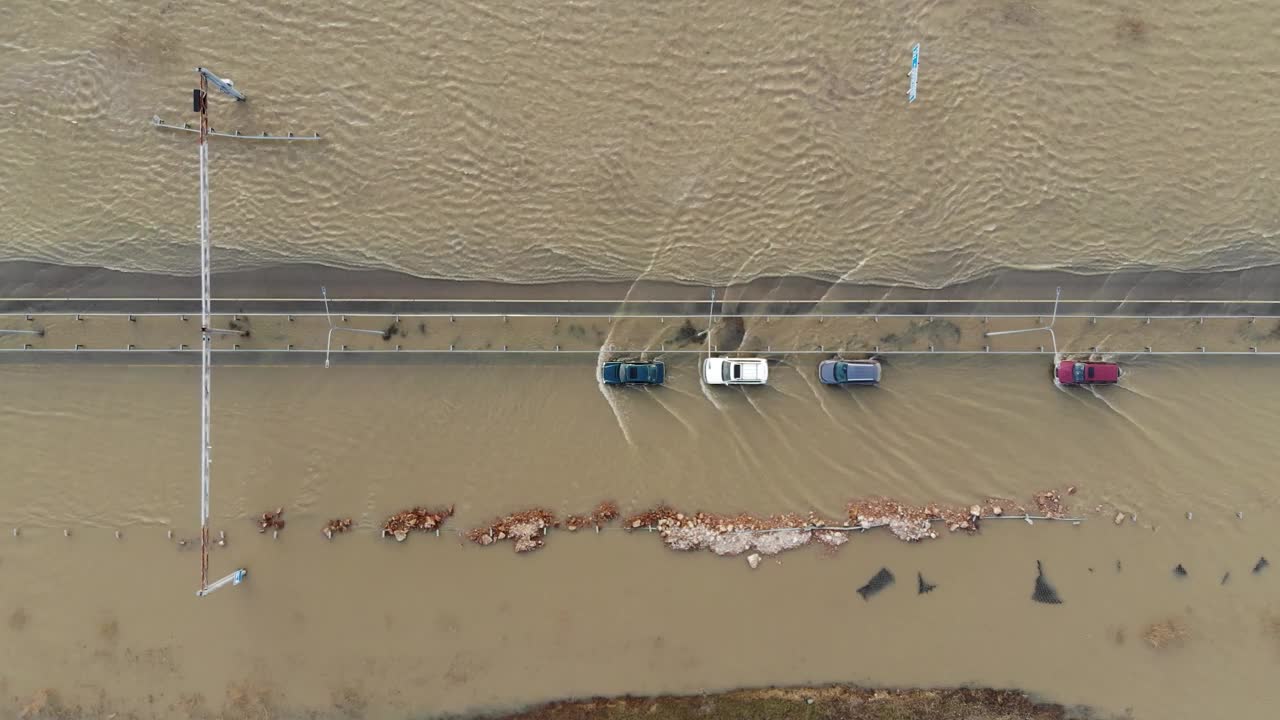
x,y
819,703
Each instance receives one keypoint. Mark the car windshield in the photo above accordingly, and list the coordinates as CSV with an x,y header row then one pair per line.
x,y
842,372
724,370
1077,372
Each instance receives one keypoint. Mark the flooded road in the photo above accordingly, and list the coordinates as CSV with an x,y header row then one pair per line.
x,y
621,150
435,625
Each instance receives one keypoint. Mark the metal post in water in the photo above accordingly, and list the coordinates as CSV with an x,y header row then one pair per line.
x,y
710,320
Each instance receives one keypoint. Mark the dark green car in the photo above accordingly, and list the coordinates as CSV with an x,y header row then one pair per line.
x,y
622,372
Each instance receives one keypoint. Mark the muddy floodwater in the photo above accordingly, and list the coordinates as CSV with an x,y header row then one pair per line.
x,y
435,623
699,141
624,151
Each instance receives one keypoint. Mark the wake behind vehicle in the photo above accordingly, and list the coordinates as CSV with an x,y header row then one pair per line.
x,y
849,372
625,372
735,371
1074,372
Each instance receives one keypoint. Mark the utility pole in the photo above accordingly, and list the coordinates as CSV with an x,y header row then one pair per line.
x,y
200,102
200,105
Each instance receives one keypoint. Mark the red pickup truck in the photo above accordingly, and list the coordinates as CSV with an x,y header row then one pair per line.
x,y
1071,372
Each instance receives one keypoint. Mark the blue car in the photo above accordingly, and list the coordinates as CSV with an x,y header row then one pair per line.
x,y
849,372
622,372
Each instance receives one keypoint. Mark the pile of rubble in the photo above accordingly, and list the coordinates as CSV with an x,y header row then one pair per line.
x,y
907,522
402,523
914,522
525,529
271,520
1049,503
604,513
736,534
336,526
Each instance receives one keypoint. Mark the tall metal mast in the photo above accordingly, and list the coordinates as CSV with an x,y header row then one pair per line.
x,y
201,105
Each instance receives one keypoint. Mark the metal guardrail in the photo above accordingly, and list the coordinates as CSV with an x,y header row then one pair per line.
x,y
638,316
523,307
621,352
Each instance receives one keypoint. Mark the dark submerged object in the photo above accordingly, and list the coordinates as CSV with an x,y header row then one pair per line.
x,y
1225,578
878,582
1179,570
923,587
1260,565
1044,592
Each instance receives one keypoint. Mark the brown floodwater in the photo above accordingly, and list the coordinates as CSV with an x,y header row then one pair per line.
x,y
708,142
436,624
615,149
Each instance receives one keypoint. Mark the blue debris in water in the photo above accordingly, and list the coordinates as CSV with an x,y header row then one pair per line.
x,y
1044,592
878,582
1260,565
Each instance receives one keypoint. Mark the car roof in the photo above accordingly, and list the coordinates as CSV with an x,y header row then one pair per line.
x,y
861,370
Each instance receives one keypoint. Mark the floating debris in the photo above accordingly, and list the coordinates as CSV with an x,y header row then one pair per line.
x,y
906,522
271,520
1050,504
753,560
222,538
1260,565
402,523
1169,633
1179,570
1119,567
913,522
525,529
605,513
878,582
336,526
1044,592
1225,578
923,587
736,534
